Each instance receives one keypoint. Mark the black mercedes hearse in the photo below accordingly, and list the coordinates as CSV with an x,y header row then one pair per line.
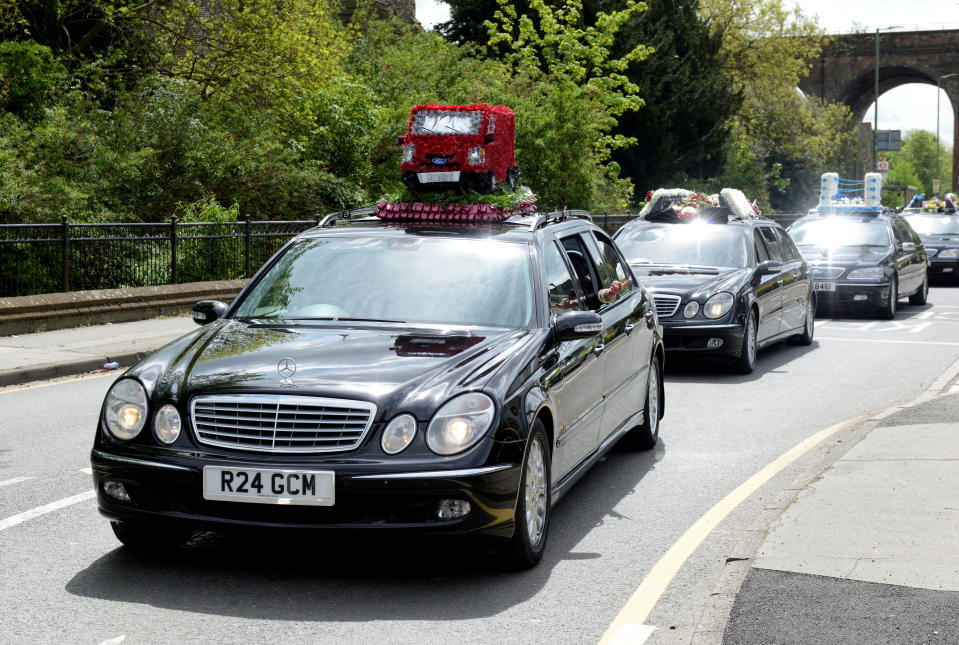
x,y
432,376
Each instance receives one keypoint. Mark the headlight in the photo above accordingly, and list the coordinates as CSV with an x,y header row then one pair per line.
x,y
166,424
460,423
947,253
476,156
126,409
691,309
718,305
398,434
869,273
408,153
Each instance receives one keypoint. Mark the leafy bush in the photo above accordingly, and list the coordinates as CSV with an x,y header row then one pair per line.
x,y
28,76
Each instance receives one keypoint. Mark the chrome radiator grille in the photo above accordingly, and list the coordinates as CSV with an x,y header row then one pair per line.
x,y
666,305
826,273
281,424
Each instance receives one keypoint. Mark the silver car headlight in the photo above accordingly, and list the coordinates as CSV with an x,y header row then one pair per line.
x,y
947,253
718,305
460,423
126,409
398,434
167,424
691,309
873,274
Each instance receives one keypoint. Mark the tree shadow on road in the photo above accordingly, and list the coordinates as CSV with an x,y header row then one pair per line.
x,y
322,576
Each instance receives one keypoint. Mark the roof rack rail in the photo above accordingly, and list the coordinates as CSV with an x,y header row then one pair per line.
x,y
553,217
348,215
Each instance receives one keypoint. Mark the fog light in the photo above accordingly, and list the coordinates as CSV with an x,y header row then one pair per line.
x,y
452,509
713,343
947,270
859,297
117,491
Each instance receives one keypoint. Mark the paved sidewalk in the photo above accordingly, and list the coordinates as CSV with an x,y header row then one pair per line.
x,y
867,553
30,357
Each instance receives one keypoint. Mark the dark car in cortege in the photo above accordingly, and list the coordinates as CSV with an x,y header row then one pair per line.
x,y
939,233
722,289
863,259
423,376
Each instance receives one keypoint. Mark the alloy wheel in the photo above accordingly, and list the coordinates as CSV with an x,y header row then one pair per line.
x,y
536,492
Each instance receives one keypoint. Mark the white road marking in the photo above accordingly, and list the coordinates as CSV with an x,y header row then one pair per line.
x,y
86,471
890,340
926,315
114,641
15,480
631,634
20,518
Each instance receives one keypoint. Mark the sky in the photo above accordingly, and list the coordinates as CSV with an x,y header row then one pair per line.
x,y
909,107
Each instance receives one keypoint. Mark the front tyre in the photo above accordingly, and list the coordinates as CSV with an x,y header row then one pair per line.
x,y
889,311
809,328
155,538
920,297
525,549
645,436
746,362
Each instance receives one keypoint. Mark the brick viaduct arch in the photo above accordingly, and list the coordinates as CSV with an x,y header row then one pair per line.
x,y
846,70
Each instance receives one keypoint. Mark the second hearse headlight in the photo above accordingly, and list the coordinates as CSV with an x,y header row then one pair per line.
x,y
460,423
167,424
948,253
398,434
126,409
873,274
718,305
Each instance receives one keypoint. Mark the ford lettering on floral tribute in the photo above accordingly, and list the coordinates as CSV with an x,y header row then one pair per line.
x,y
459,162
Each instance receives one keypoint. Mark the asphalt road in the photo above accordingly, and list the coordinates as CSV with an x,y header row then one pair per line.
x,y
65,579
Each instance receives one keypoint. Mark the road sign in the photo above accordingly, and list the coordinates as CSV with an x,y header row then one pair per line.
x,y
883,166
888,140
935,186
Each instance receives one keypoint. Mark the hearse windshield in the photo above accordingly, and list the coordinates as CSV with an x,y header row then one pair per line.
x,y
451,122
694,244
408,279
834,232
934,224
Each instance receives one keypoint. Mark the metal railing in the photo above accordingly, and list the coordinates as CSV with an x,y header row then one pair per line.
x,y
47,258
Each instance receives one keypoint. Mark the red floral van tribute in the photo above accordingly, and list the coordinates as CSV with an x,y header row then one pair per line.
x,y
451,144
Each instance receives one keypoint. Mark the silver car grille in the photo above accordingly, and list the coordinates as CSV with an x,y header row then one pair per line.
x,y
280,423
666,305
826,273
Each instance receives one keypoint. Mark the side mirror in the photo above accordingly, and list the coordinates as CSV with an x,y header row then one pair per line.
x,y
206,311
908,246
769,266
400,140
578,324
489,138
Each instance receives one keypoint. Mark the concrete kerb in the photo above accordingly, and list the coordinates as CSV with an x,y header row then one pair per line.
x,y
715,615
68,368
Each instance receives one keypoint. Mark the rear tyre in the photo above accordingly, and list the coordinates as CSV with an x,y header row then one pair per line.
x,y
746,362
809,328
645,435
889,311
155,538
525,549
920,297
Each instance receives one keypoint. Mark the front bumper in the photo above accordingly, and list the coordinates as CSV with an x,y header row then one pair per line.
x,y
855,294
944,268
171,490
695,338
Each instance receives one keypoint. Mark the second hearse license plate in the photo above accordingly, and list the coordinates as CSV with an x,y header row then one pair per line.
x,y
269,486
821,285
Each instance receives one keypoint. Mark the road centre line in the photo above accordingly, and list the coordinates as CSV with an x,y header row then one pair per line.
x,y
84,377
891,340
15,480
640,605
20,518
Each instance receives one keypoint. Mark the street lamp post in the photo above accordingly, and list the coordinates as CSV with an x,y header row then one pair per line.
x,y
875,114
938,101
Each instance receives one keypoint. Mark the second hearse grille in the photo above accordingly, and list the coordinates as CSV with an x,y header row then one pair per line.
x,y
666,305
275,423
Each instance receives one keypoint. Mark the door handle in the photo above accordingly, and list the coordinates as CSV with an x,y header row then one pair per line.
x,y
599,349
629,328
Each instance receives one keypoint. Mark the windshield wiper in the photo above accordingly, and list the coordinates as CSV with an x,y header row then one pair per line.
x,y
339,319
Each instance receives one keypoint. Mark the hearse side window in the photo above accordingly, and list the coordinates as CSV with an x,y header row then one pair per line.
x,y
562,289
585,272
608,260
772,244
762,255
787,246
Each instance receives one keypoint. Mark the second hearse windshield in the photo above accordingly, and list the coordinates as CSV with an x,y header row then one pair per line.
x,y
696,244
408,280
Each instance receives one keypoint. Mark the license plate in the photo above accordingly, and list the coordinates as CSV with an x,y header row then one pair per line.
x,y
824,286
269,486
435,177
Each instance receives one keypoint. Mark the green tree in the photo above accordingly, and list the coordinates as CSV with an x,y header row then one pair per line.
x,y
918,154
28,76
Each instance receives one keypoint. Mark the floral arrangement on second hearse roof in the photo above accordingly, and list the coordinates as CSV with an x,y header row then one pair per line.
x,y
459,162
687,204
